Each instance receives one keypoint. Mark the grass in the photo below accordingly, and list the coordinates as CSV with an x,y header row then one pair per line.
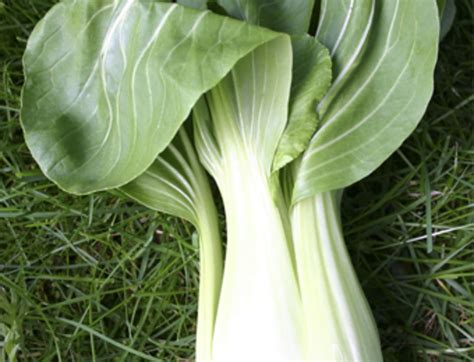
x,y
99,278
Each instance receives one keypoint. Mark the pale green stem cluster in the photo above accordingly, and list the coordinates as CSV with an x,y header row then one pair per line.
x,y
276,308
259,316
338,322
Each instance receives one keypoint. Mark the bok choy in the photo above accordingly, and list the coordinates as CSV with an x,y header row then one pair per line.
x,y
143,97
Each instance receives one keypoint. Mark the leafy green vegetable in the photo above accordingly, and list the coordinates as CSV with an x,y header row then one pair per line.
x,y
281,120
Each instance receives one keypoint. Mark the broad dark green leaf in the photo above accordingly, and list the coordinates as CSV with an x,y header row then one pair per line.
x,y
310,80
108,84
287,16
380,103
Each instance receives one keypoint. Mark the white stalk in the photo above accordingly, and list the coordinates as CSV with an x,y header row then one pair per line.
x,y
259,313
339,325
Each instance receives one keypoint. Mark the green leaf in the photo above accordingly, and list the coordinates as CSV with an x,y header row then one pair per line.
x,y
175,183
311,79
441,5
196,4
344,28
287,16
380,104
108,84
447,15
